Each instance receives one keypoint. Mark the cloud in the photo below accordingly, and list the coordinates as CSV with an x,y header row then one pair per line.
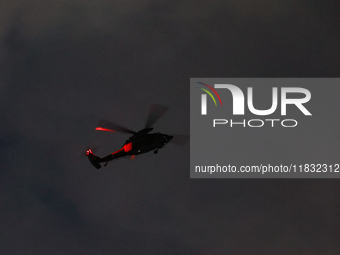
x,y
68,64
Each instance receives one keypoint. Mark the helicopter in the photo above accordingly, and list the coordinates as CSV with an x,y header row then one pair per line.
x,y
140,142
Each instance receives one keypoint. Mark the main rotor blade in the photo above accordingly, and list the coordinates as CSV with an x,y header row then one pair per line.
x,y
180,139
156,111
105,125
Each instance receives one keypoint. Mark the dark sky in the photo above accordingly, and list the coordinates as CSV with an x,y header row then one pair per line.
x,y
65,65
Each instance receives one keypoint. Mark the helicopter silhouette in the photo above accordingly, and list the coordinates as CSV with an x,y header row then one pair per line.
x,y
140,142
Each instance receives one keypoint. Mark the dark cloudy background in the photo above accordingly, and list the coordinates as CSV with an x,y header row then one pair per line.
x,y
67,64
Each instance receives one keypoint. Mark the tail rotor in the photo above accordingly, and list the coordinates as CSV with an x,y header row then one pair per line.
x,y
93,159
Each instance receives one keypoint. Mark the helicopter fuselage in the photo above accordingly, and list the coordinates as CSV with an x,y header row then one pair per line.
x,y
147,142
139,143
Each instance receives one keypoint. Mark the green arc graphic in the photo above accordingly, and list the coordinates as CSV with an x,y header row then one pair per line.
x,y
209,94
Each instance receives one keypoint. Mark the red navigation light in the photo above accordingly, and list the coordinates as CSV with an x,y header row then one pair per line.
x,y
127,147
